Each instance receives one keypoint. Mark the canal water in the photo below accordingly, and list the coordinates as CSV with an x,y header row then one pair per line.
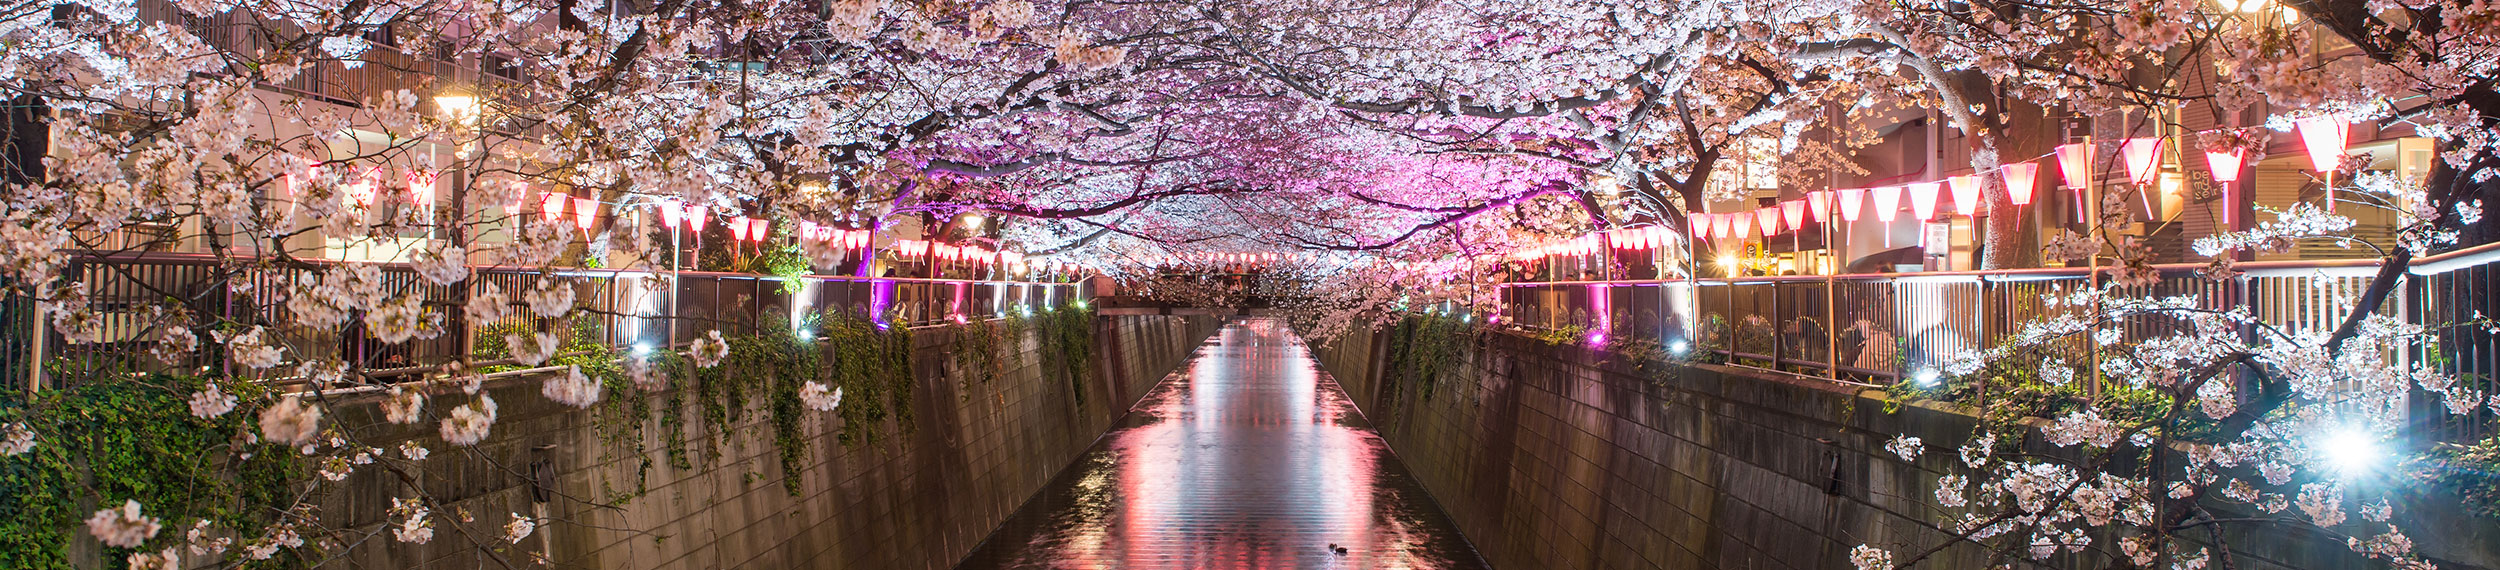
x,y
1249,457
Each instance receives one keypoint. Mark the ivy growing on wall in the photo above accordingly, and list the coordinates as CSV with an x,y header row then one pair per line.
x,y
1067,343
134,438
976,350
1423,348
102,443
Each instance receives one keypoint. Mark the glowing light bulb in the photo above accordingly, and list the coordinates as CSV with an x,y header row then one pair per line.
x,y
2349,451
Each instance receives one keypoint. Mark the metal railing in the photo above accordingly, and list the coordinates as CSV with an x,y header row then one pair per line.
x,y
1875,329
129,291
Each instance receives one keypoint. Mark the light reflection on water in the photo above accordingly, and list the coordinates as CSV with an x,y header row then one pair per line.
x,y
1250,458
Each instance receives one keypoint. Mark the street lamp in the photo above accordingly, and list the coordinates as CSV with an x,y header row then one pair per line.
x,y
462,109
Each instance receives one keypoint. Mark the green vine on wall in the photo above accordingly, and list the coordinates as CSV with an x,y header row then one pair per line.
x,y
976,351
134,439
872,363
1067,338
1423,348
103,443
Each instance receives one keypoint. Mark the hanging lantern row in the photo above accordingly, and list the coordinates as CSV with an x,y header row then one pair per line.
x,y
846,239
743,228
1638,239
2324,136
918,249
1583,245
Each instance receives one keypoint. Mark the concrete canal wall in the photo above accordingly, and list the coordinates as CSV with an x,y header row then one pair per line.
x,y
921,495
1563,457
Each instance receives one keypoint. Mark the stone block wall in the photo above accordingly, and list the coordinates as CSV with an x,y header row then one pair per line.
x,y
1563,457
921,496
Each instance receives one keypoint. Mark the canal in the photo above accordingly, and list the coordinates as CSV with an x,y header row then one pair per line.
x,y
1249,457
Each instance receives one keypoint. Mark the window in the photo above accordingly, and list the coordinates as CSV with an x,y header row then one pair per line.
x,y
382,35
500,66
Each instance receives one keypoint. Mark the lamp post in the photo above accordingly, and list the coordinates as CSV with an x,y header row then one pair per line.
x,y
462,110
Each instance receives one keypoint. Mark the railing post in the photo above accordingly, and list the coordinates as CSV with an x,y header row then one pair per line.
x,y
1831,324
1779,340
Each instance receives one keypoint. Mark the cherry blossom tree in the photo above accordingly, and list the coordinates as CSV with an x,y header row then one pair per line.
x,y
1376,158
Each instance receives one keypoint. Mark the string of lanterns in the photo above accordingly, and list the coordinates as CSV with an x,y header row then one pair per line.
x,y
552,207
2324,137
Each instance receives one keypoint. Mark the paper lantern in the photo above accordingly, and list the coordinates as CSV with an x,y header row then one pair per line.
x,y
363,190
1725,225
696,215
1794,211
1923,199
1887,203
1768,219
1851,201
1821,203
2074,161
1965,193
421,187
671,212
585,210
759,228
1699,223
551,206
2143,156
2325,135
738,228
520,193
1659,236
2226,165
807,230
2019,178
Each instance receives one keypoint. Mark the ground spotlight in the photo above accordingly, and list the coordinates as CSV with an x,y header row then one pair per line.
x,y
2349,451
1680,347
1927,378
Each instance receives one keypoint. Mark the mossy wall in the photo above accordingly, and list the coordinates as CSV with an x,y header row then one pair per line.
x,y
1550,454
716,473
